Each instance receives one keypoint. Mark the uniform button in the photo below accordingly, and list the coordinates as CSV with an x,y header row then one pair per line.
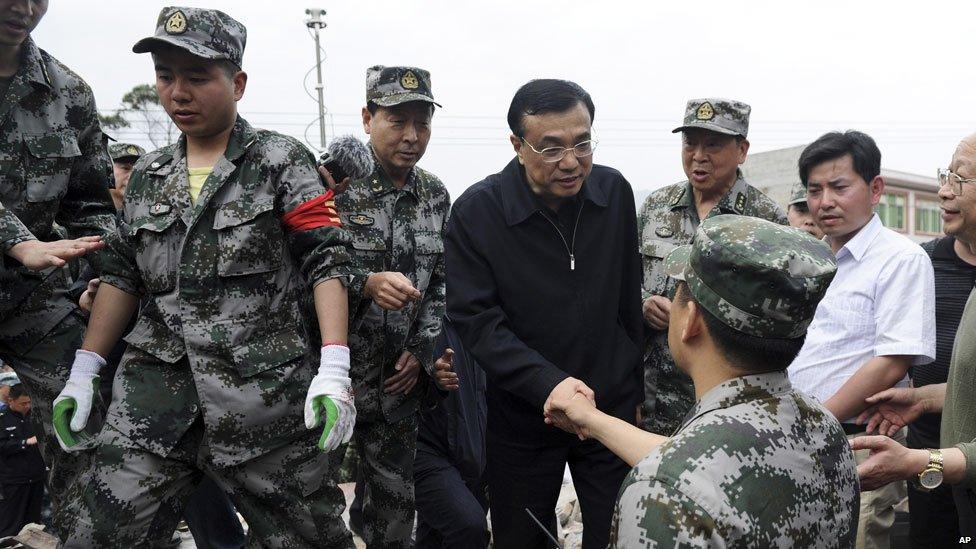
x,y
194,408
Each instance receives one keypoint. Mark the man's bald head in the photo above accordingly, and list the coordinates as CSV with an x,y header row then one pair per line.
x,y
959,211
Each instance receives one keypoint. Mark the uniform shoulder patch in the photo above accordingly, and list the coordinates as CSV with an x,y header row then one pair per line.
x,y
740,202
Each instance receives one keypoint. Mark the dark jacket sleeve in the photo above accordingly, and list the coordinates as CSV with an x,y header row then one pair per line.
x,y
475,308
631,316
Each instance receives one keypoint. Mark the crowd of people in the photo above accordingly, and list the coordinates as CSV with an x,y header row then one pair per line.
x,y
202,330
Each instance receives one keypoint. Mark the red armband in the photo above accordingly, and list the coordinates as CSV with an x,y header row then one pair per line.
x,y
316,213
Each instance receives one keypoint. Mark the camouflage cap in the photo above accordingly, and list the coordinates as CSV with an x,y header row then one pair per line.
x,y
205,33
798,194
757,277
389,86
718,115
119,151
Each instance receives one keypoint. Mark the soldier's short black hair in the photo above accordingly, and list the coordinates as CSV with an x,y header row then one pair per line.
x,y
748,353
864,153
546,95
16,391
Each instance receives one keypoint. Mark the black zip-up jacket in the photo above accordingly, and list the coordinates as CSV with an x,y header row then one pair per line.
x,y
455,428
534,305
20,463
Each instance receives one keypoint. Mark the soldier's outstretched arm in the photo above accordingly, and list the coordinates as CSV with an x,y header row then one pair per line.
x,y
628,442
109,317
330,402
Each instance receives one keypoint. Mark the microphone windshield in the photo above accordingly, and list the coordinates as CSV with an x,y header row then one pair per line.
x,y
348,156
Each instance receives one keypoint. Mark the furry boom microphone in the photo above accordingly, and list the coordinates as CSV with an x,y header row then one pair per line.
x,y
347,157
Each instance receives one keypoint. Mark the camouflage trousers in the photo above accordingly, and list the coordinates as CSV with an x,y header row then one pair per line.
x,y
386,456
43,369
132,496
669,394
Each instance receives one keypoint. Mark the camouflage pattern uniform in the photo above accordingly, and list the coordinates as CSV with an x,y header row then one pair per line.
x,y
669,219
798,194
755,463
119,151
397,230
221,357
54,176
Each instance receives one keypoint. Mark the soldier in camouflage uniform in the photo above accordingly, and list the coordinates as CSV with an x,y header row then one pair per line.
x,y
714,144
396,216
54,176
124,156
755,463
798,212
220,373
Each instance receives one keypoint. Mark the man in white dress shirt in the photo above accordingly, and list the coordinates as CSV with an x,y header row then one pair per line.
x,y
877,319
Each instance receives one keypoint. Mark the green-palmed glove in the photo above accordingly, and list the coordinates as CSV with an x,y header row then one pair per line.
x,y
330,402
74,403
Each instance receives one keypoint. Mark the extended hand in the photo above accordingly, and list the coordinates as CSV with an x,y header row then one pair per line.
x,y
37,255
390,290
408,368
657,312
444,375
330,401
578,410
562,392
891,410
889,461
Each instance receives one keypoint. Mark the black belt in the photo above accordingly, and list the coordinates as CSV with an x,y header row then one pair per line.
x,y
854,428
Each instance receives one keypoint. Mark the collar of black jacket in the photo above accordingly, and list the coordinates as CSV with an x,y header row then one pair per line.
x,y
519,203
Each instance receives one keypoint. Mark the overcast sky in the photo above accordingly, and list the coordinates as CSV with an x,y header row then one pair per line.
x,y
902,71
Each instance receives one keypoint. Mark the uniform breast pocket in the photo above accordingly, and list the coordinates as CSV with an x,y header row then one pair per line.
x,y
260,354
48,164
157,250
370,247
653,253
429,248
249,237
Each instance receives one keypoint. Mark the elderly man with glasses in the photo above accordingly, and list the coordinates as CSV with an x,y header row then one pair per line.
x,y
713,146
954,261
544,282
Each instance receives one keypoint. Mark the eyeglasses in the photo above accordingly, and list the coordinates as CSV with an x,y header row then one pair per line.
x,y
954,180
551,155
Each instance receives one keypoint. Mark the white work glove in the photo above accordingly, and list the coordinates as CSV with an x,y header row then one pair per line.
x,y
73,405
330,400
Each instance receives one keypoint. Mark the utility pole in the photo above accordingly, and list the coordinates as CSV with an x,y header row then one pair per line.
x,y
316,23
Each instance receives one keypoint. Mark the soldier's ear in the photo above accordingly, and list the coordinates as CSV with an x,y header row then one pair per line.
x,y
694,322
240,83
743,145
367,120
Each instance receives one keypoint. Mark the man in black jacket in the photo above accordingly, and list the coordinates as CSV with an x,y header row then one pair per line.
x,y
544,277
21,466
449,467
